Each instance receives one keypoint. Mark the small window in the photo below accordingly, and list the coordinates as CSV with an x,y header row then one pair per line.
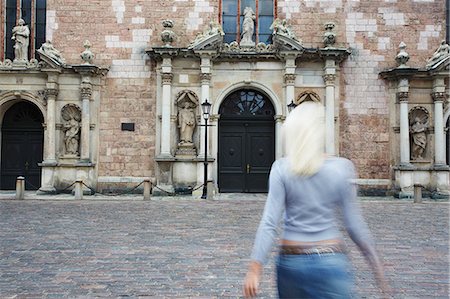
x,y
232,17
33,12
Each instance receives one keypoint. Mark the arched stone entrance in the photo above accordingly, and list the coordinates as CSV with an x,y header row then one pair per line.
x,y
22,146
246,141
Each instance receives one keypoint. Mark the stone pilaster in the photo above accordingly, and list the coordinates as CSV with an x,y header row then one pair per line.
x,y
86,95
51,93
402,97
439,148
329,78
166,105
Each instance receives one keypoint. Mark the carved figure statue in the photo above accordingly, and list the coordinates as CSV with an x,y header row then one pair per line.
x,y
186,123
213,29
280,27
48,49
72,136
419,138
21,35
248,27
442,52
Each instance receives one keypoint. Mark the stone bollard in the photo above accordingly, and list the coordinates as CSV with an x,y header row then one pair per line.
x,y
20,187
210,190
147,188
79,189
417,193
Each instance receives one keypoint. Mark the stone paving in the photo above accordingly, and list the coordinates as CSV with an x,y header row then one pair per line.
x,y
180,247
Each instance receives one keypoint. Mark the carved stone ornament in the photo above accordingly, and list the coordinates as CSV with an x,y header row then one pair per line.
x,y
205,77
87,55
248,28
86,92
280,27
211,38
418,124
167,78
21,37
289,78
438,96
51,92
306,96
71,114
329,37
402,56
440,54
402,96
187,103
167,35
329,79
49,51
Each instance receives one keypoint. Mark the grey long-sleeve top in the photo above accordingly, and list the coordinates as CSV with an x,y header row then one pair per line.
x,y
308,206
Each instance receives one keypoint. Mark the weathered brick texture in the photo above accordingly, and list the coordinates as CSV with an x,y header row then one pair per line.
x,y
121,30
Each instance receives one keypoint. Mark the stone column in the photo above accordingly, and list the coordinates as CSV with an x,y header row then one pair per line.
x,y
279,146
166,105
439,148
86,93
51,93
402,95
289,80
329,79
205,79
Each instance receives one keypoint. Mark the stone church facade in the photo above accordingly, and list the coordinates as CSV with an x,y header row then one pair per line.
x,y
111,91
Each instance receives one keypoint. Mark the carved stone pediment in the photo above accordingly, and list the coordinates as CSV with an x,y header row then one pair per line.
x,y
440,55
441,65
48,62
209,42
285,43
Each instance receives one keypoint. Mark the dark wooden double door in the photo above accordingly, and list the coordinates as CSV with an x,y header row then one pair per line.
x,y
22,146
246,153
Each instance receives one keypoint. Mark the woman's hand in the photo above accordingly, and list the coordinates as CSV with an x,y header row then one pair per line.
x,y
251,282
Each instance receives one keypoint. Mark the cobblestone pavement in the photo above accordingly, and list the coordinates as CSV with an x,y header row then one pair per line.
x,y
189,248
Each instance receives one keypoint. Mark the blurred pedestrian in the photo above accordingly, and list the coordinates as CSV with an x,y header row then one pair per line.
x,y
305,189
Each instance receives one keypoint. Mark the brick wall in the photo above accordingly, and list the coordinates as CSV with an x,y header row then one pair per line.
x,y
121,30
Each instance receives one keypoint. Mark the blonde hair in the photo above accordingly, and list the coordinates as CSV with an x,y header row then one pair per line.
x,y
304,134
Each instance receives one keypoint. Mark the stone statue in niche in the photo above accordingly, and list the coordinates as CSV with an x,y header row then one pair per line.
x,y
248,28
71,115
187,104
21,35
418,130
186,123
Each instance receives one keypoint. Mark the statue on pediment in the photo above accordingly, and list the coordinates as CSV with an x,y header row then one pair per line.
x,y
248,28
213,31
442,52
280,27
50,51
21,37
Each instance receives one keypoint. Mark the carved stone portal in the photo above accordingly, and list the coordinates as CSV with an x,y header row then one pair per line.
x,y
71,115
187,103
418,124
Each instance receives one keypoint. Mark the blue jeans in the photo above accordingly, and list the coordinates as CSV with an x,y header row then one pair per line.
x,y
314,276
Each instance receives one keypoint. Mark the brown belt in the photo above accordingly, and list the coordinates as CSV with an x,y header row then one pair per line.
x,y
313,249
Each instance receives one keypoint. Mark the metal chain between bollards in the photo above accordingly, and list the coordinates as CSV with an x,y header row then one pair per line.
x,y
179,193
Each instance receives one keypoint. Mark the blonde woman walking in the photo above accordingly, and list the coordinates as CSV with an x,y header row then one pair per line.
x,y
305,188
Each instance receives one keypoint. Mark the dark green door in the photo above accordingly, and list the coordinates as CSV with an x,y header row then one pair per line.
x,y
246,142
22,146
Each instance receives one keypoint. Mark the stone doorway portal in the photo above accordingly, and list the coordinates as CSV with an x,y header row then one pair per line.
x,y
22,146
246,142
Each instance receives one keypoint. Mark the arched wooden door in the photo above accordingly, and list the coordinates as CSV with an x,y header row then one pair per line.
x,y
22,146
246,142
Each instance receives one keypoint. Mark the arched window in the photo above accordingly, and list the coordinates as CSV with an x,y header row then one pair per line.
x,y
33,12
232,16
247,102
